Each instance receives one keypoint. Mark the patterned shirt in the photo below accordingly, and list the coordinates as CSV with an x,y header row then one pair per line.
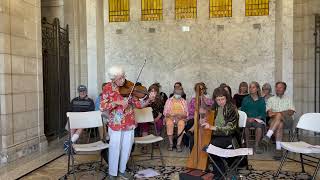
x,y
171,106
227,120
119,119
191,106
277,104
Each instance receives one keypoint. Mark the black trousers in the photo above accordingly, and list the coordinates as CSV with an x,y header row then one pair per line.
x,y
222,142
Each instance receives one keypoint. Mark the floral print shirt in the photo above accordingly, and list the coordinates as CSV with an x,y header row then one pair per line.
x,y
119,119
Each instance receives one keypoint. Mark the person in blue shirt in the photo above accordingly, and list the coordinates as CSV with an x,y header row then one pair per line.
x,y
255,107
97,102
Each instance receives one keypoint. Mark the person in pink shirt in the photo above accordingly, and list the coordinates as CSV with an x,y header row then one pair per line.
x,y
175,112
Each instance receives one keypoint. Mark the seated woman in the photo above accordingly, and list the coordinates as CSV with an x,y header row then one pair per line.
x,y
206,103
226,128
242,93
175,112
157,109
255,108
178,85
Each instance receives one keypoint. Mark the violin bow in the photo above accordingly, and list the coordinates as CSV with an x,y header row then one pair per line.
x,y
134,85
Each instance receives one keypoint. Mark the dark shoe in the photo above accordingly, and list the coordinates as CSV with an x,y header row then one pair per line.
x,y
278,155
111,177
125,175
265,141
179,148
170,147
259,150
66,147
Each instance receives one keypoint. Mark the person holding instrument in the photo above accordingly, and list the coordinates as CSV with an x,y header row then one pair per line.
x,y
121,122
225,129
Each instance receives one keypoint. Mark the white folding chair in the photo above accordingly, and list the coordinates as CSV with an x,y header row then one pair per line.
x,y
240,153
82,120
242,119
309,122
145,116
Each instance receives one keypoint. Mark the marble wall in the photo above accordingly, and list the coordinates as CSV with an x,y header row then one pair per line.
x,y
21,94
230,50
304,25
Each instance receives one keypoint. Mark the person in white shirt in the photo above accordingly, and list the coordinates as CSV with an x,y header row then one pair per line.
x,y
280,109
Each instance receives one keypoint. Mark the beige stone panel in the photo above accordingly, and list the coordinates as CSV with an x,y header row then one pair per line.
x,y
21,121
5,23
20,8
26,83
32,101
20,137
5,63
6,104
33,118
18,64
23,28
6,124
32,132
4,6
19,103
18,83
17,26
4,43
5,84
22,46
31,86
40,95
39,83
7,141
31,66
30,30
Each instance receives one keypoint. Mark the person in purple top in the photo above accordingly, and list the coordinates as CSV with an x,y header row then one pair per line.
x,y
206,103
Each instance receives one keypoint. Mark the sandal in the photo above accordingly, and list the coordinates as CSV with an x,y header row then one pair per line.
x,y
179,149
170,148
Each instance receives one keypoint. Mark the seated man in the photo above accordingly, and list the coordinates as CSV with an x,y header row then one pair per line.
x,y
255,108
280,109
175,112
82,103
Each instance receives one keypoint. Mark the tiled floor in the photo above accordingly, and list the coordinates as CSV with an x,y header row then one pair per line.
x,y
58,167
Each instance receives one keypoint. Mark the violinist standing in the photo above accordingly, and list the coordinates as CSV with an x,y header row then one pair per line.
x,y
121,122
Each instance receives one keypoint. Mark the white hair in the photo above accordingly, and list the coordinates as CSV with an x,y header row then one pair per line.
x,y
115,71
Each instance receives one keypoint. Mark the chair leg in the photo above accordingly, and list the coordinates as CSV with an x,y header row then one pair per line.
x,y
151,151
284,158
302,165
161,157
214,163
72,160
68,162
316,171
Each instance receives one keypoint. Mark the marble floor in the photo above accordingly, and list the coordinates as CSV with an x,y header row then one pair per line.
x,y
57,165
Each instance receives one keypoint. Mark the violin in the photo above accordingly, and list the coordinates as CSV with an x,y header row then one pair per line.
x,y
130,88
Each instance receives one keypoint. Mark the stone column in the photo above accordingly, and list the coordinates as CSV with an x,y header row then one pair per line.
x,y
21,92
53,9
284,44
303,64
